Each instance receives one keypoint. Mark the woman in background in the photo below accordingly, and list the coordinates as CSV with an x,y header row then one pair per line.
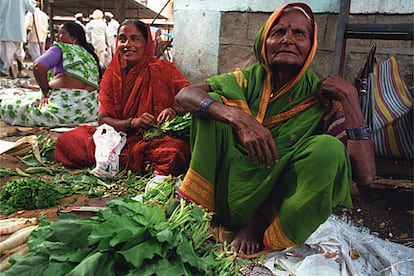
x,y
70,96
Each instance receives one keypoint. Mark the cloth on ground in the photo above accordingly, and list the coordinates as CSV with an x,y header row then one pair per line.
x,y
339,248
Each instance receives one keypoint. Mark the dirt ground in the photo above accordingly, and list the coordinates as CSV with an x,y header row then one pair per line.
x,y
385,210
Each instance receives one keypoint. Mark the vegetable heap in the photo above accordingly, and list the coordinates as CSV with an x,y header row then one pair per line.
x,y
26,193
127,238
177,127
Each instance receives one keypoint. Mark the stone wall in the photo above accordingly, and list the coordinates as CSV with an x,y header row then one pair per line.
x,y
238,30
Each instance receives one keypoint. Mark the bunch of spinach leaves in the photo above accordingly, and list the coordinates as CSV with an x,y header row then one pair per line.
x,y
27,193
127,238
177,127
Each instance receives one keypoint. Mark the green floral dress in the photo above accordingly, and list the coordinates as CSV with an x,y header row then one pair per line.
x,y
67,106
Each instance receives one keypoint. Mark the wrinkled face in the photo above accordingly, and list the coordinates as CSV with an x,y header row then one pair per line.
x,y
131,43
64,37
289,40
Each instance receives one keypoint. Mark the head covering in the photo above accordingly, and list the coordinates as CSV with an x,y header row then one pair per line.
x,y
79,14
108,14
257,79
129,96
260,52
97,14
113,79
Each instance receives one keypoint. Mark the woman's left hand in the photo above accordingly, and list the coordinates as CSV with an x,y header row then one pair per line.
x,y
334,87
44,100
166,115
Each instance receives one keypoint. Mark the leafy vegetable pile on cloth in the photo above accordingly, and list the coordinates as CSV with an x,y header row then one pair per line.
x,y
26,193
127,238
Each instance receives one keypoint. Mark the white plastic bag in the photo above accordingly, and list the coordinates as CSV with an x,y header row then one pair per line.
x,y
109,144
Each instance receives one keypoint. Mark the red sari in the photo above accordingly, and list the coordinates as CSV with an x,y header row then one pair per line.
x,y
149,86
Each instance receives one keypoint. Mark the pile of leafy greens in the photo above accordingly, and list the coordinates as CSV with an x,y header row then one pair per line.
x,y
127,238
27,193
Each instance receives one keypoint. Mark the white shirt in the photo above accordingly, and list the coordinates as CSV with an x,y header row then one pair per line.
x,y
112,29
97,31
12,14
80,23
42,26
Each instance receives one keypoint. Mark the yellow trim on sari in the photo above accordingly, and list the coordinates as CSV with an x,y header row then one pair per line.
x,y
241,80
199,189
237,103
274,237
267,89
272,121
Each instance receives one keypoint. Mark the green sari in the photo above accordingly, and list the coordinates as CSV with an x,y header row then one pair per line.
x,y
313,173
67,106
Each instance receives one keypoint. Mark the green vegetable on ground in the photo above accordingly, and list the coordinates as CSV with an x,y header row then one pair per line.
x,y
127,238
26,193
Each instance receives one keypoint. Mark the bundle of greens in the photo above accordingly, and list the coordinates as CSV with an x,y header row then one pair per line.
x,y
177,127
26,193
127,238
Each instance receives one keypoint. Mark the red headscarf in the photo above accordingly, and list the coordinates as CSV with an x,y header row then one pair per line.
x,y
149,86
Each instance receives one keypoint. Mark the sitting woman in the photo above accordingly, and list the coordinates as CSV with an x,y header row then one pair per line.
x,y
70,97
137,92
274,174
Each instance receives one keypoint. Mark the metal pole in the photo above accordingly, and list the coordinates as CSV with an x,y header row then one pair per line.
x,y
152,23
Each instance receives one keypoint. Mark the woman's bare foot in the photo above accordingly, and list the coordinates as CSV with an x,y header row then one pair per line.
x,y
248,239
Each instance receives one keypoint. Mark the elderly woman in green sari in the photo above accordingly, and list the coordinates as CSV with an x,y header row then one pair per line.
x,y
274,149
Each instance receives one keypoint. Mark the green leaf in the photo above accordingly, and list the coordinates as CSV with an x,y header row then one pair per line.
x,y
161,267
165,235
58,268
198,214
93,265
29,264
186,251
120,228
74,231
145,250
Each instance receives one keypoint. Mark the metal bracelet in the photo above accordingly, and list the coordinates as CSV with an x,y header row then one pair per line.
x,y
204,104
359,133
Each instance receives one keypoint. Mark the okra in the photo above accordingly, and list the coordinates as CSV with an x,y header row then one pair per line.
x,y
22,173
6,172
39,170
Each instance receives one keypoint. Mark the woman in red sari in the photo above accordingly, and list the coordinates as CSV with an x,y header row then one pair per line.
x,y
137,92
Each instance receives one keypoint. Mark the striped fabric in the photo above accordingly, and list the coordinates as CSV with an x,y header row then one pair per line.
x,y
387,108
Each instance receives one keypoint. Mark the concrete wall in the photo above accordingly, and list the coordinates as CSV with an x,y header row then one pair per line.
x,y
216,36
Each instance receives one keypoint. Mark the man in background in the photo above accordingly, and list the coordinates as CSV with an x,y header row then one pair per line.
x,y
13,33
37,25
111,32
96,31
79,20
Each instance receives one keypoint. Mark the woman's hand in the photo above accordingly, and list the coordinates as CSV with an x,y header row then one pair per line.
x,y
257,140
44,100
146,120
334,87
166,115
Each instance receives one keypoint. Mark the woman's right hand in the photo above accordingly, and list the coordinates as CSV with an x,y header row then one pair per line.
x,y
146,120
256,139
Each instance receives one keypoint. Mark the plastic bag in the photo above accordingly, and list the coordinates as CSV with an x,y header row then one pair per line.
x,y
109,144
